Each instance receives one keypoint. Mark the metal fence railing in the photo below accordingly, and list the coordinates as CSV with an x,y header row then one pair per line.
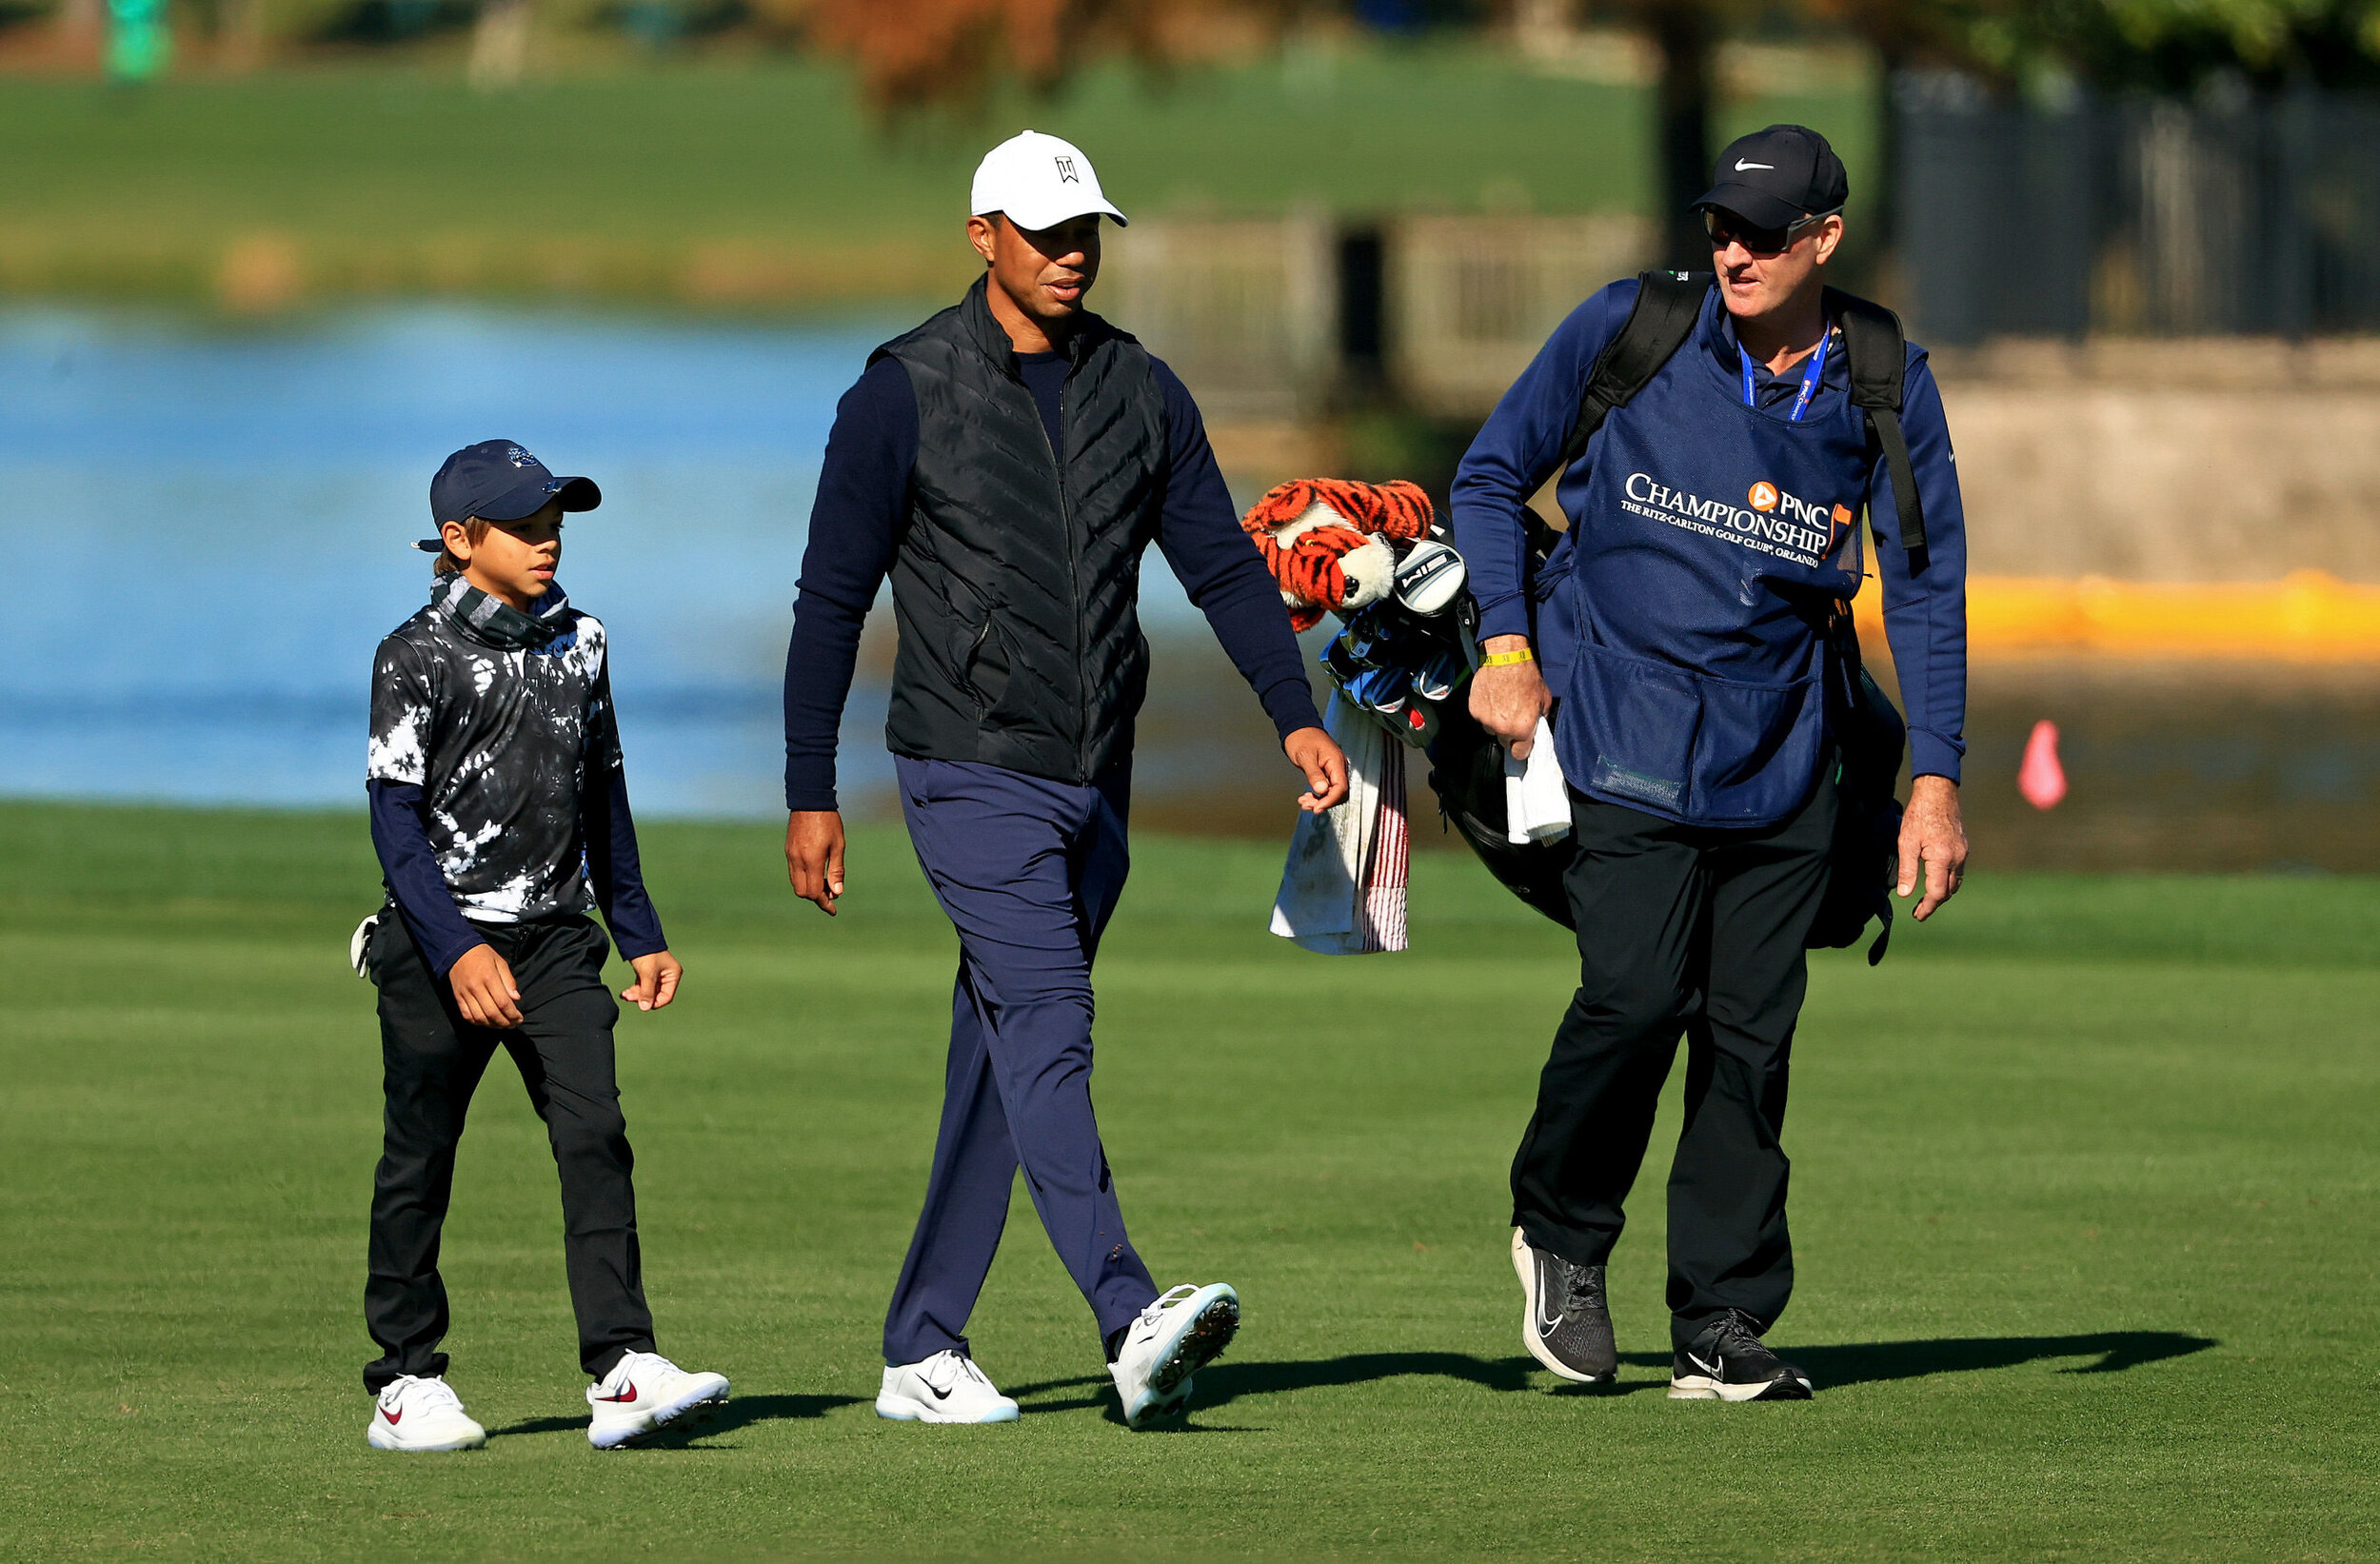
x,y
2230,214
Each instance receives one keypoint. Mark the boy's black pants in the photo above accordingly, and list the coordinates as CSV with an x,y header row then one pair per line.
x,y
432,1060
1692,930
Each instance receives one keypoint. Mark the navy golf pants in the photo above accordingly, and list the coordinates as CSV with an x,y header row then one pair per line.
x,y
1028,871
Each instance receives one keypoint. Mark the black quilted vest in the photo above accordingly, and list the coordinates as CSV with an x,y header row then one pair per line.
x,y
1016,576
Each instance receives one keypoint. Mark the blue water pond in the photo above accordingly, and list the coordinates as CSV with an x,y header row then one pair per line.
x,y
209,530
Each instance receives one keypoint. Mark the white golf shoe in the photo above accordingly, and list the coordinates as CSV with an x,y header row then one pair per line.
x,y
644,1393
1172,1339
416,1413
945,1388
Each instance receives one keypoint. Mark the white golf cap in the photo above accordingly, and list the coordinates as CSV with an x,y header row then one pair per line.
x,y
1039,180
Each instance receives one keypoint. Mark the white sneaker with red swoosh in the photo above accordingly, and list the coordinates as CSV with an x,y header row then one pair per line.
x,y
422,1413
644,1393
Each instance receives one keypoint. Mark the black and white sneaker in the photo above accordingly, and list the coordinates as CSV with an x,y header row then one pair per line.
x,y
1727,1362
1564,1321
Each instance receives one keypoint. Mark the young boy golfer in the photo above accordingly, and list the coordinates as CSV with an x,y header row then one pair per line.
x,y
500,812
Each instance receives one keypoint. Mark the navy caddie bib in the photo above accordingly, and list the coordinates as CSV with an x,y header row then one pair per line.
x,y
1708,546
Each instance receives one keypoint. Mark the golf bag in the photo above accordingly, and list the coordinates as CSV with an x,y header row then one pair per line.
x,y
1467,773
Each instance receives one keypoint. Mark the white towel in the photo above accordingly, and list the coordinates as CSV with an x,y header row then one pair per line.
x,y
1537,801
1342,891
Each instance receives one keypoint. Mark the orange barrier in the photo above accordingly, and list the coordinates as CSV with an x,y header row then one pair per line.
x,y
2308,615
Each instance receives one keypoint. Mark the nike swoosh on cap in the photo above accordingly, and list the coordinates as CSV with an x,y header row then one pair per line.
x,y
1741,166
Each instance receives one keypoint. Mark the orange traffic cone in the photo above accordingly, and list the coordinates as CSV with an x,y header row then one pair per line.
x,y
2041,779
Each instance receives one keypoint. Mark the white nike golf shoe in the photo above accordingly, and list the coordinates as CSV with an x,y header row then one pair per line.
x,y
422,1413
1172,1339
945,1388
644,1393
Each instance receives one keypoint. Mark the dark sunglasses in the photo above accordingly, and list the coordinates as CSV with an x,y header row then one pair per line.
x,y
1726,229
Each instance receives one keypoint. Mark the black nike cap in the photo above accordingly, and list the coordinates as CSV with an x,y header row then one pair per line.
x,y
499,481
1771,177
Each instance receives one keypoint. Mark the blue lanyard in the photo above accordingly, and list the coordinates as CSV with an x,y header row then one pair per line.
x,y
1810,376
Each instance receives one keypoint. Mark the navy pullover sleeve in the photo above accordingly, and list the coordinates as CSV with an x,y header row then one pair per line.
x,y
862,494
1219,565
613,866
1924,616
863,498
410,870
1515,453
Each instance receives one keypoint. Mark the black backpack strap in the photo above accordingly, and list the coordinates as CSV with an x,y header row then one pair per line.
x,y
1659,324
1879,354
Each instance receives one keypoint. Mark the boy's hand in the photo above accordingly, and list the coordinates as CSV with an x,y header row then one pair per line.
x,y
484,989
814,855
656,980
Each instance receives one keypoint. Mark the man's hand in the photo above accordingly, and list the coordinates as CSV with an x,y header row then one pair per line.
x,y
814,855
484,989
656,980
1935,838
1317,755
1510,701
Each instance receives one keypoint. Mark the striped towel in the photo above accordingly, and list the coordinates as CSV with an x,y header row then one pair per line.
x,y
1342,891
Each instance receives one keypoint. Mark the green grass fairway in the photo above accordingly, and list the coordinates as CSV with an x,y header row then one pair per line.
x,y
2084,1202
765,183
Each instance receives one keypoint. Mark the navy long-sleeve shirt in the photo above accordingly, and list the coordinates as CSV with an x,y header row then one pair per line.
x,y
409,868
863,503
1519,446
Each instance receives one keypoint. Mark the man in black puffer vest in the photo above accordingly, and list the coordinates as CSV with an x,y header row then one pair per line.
x,y
1006,464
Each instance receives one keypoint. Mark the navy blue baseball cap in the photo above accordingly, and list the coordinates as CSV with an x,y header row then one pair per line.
x,y
1772,177
499,481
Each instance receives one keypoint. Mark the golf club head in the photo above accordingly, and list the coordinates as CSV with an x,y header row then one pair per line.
x,y
1438,675
1429,578
1418,724
1340,664
1383,690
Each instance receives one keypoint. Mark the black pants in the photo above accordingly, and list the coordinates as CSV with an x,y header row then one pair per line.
x,y
432,1061
1691,930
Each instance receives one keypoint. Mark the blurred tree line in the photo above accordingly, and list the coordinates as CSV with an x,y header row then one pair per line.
x,y
913,55
918,53
240,34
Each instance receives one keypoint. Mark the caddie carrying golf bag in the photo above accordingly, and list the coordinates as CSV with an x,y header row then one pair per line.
x,y
1467,770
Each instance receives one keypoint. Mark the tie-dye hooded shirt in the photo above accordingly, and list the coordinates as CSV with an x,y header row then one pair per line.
x,y
503,720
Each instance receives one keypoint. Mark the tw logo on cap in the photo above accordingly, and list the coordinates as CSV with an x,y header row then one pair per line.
x,y
1067,173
